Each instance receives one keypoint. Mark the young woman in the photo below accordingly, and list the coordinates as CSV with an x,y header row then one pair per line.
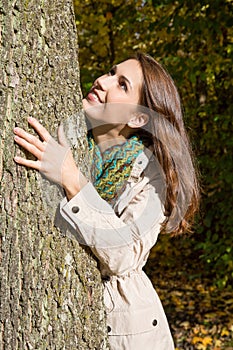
x,y
143,182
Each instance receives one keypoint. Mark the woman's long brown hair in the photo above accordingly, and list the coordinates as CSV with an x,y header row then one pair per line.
x,y
171,145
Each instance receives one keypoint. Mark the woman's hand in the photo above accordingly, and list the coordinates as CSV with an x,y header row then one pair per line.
x,y
54,159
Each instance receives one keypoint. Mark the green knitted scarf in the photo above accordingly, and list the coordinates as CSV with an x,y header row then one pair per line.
x,y
111,169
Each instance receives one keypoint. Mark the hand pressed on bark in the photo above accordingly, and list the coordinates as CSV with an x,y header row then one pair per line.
x,y
54,159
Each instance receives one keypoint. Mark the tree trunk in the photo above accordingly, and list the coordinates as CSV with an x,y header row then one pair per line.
x,y
51,294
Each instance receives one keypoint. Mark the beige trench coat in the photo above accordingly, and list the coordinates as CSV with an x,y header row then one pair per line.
x,y
121,238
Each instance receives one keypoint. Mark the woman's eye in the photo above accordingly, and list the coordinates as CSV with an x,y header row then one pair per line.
x,y
112,71
123,85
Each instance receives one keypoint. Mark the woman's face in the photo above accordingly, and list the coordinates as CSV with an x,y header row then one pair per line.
x,y
118,89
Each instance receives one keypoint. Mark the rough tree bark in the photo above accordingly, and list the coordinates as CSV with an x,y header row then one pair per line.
x,y
51,295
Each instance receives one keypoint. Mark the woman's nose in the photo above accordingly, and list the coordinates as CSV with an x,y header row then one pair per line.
x,y
105,82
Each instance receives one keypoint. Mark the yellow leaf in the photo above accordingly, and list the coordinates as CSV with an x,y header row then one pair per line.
x,y
185,325
196,340
207,341
224,332
204,341
196,330
203,330
218,344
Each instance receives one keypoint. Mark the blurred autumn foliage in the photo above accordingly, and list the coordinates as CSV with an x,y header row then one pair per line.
x,y
199,313
194,41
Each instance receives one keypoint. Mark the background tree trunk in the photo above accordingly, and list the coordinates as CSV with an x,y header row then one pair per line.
x,y
51,294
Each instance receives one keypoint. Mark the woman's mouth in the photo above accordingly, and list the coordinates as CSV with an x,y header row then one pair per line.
x,y
92,96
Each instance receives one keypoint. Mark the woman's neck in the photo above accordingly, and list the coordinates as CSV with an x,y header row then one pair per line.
x,y
106,135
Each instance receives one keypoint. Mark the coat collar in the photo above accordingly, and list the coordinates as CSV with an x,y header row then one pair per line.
x,y
135,181
139,166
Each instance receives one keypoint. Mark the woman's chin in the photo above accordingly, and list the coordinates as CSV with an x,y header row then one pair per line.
x,y
86,104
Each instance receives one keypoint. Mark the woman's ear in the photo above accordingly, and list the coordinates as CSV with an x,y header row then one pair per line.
x,y
138,120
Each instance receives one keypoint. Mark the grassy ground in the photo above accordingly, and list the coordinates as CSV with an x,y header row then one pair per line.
x,y
200,315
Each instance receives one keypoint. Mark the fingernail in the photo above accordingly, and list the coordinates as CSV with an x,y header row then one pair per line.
x,y
16,159
30,119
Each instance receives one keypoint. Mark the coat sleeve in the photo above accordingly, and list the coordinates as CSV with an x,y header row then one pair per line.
x,y
119,242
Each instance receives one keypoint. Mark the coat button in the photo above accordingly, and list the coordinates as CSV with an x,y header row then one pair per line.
x,y
75,210
155,322
109,329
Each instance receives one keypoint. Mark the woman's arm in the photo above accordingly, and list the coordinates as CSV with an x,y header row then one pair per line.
x,y
54,159
120,243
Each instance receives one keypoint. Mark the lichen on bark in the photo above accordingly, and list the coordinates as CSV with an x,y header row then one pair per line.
x,y
51,293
